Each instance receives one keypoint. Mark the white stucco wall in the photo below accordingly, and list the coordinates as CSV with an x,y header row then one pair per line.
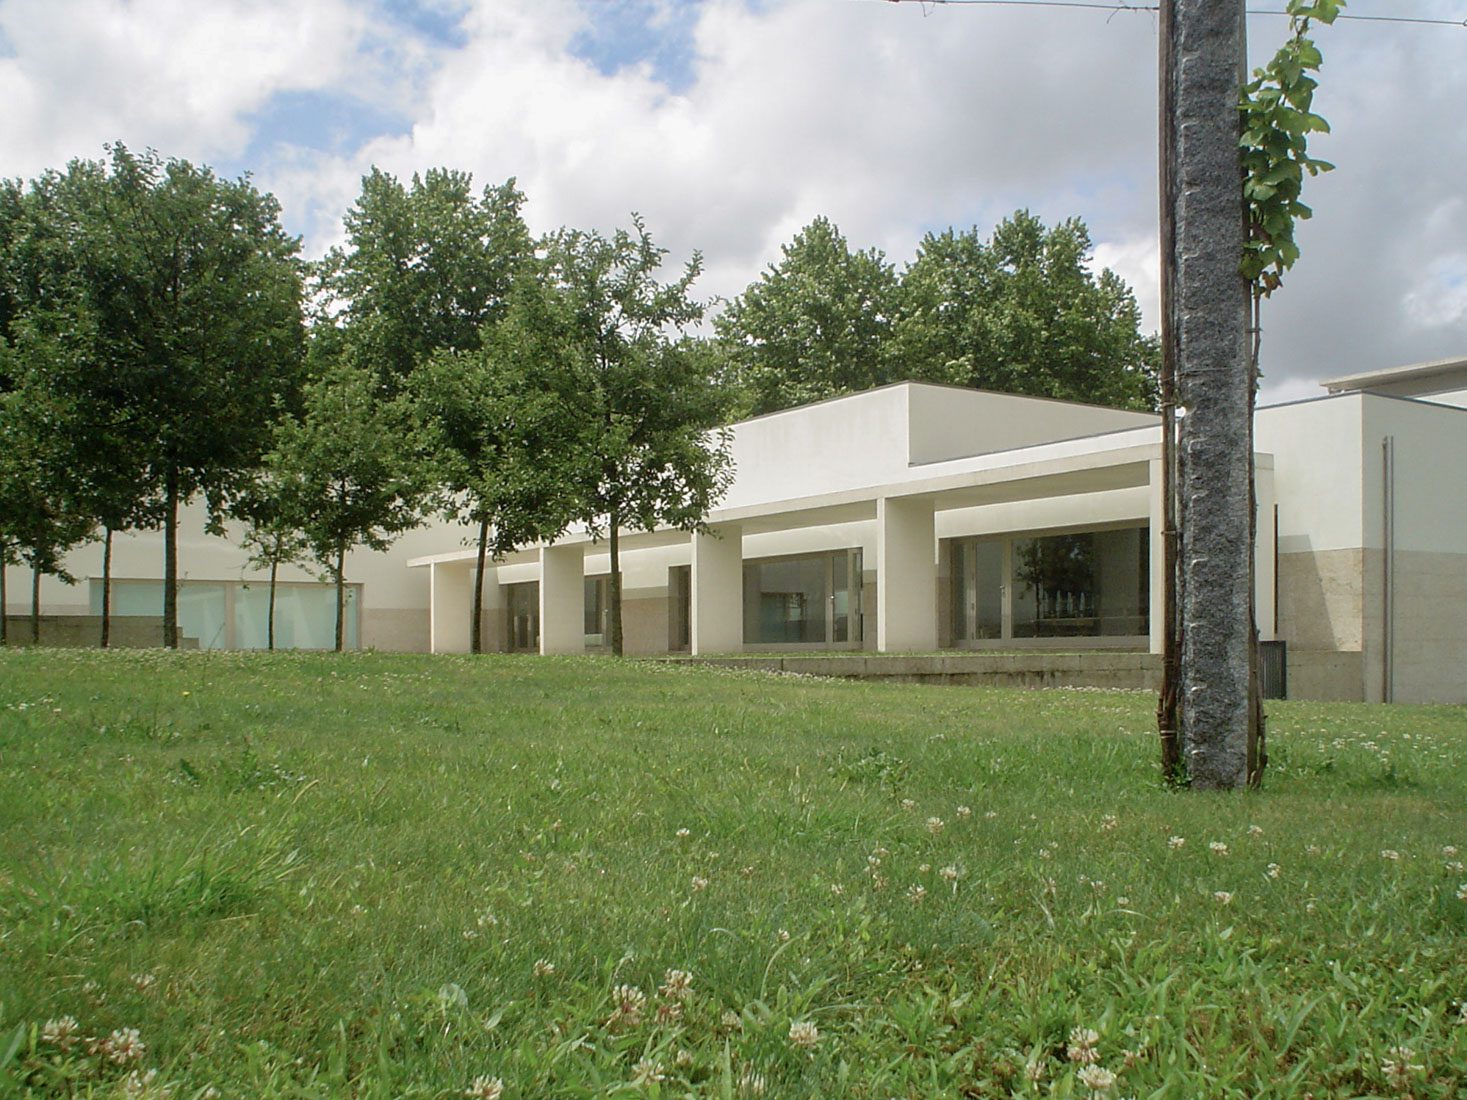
x,y
946,422
1317,471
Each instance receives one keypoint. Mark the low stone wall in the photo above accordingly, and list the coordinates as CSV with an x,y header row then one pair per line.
x,y
85,631
1108,669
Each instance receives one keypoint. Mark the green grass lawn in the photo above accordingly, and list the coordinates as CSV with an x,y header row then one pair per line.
x,y
405,876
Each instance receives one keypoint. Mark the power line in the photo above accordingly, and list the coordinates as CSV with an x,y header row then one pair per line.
x,y
1119,5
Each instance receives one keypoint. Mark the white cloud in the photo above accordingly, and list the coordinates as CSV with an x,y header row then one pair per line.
x,y
891,119
178,76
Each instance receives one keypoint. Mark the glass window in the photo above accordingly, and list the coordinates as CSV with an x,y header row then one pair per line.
x,y
305,616
597,595
202,608
523,609
977,589
1087,584
809,600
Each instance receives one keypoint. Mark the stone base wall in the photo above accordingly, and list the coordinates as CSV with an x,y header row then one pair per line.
x,y
1138,671
85,631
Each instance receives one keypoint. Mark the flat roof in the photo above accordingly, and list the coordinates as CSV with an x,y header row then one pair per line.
x,y
1411,373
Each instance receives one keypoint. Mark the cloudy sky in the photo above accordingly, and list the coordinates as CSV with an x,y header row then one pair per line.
x,y
730,124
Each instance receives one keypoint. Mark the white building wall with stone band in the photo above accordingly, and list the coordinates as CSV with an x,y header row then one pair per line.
x,y
916,518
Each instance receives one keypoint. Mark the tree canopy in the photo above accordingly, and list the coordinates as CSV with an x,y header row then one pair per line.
x,y
1021,312
604,335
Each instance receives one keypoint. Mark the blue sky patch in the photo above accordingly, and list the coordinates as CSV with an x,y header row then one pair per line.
x,y
632,32
439,22
330,122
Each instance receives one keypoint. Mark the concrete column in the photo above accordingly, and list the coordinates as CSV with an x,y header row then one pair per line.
x,y
563,599
450,593
906,575
716,611
1156,552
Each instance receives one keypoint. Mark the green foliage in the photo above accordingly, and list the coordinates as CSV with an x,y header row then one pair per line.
x,y
1277,121
604,336
375,930
426,267
346,472
1019,313
1023,313
816,324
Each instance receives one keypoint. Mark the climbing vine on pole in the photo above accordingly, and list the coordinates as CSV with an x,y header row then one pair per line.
x,y
1277,121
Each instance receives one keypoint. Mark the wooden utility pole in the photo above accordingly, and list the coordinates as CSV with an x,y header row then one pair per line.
x,y
1206,708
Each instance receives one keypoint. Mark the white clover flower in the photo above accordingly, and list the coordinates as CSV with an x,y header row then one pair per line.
x,y
124,1045
485,1088
1096,1079
731,1020
991,814
143,982
141,1084
923,868
1312,850
948,873
909,804
1462,892
1123,902
1398,1067
1223,897
1274,870
1045,853
1455,867
782,935
1390,854
1108,822
751,1083
1217,847
682,834
683,1058
677,985
804,1034
1449,851
61,1034
1175,842
916,892
1254,830
1034,1071
628,1001
837,889
543,968
935,825
647,1071
698,883
962,811
1082,1045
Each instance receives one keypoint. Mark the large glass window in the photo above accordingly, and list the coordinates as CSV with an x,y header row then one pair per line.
x,y
235,615
597,595
977,589
305,616
523,610
1087,584
809,600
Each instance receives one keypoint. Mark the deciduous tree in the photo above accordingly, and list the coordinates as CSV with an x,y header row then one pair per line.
x,y
645,405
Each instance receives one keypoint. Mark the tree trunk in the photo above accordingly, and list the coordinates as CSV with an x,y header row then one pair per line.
x,y
170,558
1214,386
270,609
35,605
476,628
616,635
1257,749
106,588
340,596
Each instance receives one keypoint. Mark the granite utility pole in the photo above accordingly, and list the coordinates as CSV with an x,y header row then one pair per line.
x,y
1207,708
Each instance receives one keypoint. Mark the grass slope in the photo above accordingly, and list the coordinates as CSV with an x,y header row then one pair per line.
x,y
398,876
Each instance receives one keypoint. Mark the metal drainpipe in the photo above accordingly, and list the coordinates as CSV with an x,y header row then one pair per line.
x,y
1388,595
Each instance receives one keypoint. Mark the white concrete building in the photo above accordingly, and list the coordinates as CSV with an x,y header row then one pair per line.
x,y
916,518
